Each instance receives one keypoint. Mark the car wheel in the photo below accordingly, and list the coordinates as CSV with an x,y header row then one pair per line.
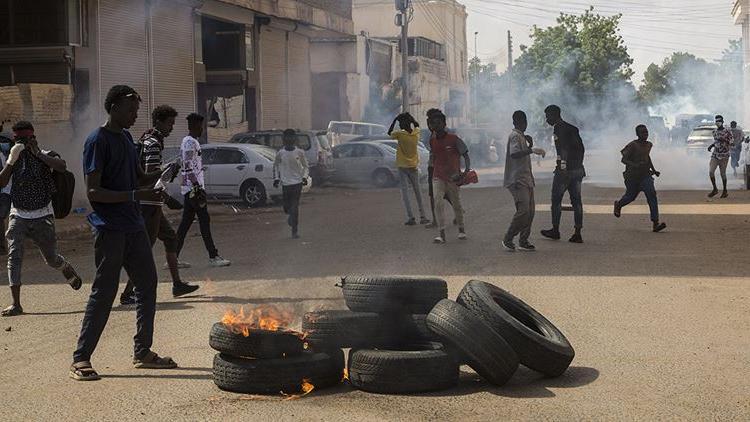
x,y
253,193
383,178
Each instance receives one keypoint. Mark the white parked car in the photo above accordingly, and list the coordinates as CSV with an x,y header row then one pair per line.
x,y
237,172
342,132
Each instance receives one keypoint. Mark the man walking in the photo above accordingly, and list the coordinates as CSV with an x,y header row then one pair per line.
x,y
737,136
446,150
151,146
519,180
31,213
638,176
569,173
291,171
722,147
193,190
110,164
407,161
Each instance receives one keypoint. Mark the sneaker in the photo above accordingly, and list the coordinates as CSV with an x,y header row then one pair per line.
x,y
440,239
551,234
658,227
576,238
462,235
72,276
713,193
180,265
618,209
725,194
127,300
411,222
509,246
219,262
526,247
181,289
423,221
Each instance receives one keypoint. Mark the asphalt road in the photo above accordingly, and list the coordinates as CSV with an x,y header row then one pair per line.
x,y
659,322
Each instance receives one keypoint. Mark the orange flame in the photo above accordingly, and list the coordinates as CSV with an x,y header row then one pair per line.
x,y
266,317
345,376
306,388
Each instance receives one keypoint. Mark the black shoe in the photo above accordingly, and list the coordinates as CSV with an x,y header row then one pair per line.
x,y
411,222
126,300
424,221
576,238
725,194
295,235
618,209
526,247
181,289
551,234
713,193
509,246
659,227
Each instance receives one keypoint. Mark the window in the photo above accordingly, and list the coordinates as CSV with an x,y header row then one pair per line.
x,y
228,156
207,156
323,140
367,151
276,141
362,130
222,44
344,151
38,22
249,48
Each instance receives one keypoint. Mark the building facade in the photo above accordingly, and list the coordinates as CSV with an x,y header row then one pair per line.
x,y
741,14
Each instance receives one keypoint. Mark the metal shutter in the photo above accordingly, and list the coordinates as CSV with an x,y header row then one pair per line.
x,y
273,79
172,60
300,79
123,57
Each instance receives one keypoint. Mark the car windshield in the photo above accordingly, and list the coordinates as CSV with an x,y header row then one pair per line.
x,y
702,133
323,139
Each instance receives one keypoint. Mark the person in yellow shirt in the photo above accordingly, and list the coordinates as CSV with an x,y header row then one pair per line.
x,y
407,161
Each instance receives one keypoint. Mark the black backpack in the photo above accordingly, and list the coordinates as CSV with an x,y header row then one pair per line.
x,y
62,197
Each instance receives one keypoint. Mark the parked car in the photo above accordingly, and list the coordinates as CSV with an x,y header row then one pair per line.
x,y
342,132
369,162
699,139
236,171
424,153
314,143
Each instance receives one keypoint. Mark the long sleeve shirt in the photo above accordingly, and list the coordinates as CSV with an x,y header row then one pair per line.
x,y
569,146
290,167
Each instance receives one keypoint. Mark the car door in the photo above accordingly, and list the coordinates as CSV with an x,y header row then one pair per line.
x,y
343,162
367,159
207,154
229,167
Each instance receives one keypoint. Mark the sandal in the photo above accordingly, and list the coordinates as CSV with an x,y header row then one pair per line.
x,y
12,310
154,361
72,276
83,371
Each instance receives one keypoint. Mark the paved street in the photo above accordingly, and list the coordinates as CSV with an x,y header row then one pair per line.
x,y
659,322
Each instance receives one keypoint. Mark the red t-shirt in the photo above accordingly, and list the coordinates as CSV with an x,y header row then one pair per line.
x,y
446,156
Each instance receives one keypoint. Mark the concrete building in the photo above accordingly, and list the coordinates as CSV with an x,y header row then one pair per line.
x,y
437,49
741,14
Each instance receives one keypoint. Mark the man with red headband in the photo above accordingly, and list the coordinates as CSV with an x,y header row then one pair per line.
x,y
31,215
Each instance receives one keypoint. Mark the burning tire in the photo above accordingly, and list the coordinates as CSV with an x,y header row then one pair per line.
x,y
409,295
261,344
421,368
346,329
538,343
271,376
477,343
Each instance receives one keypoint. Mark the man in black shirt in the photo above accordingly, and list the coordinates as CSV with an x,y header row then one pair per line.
x,y
569,173
638,176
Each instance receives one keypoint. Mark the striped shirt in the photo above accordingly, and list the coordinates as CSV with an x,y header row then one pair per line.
x,y
151,146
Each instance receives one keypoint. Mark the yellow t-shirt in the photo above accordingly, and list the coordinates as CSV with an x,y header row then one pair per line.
x,y
407,155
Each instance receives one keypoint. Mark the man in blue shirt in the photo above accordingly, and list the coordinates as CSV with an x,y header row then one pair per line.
x,y
113,176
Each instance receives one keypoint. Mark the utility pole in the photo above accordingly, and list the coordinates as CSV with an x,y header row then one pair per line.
x,y
510,67
404,6
475,90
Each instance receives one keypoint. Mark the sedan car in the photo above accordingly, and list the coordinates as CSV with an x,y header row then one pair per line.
x,y
237,172
368,162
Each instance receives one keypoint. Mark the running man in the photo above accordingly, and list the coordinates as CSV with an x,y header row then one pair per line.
x,y
721,151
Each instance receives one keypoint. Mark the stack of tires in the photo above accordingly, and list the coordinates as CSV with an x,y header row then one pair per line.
x,y
270,362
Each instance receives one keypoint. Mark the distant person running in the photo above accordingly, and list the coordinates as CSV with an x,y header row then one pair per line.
x,y
194,191
519,179
407,161
291,171
722,147
639,172
738,136
445,156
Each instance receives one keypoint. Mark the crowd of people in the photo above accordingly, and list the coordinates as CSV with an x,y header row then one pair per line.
x,y
125,182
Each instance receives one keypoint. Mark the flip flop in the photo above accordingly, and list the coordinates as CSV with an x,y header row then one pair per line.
x,y
154,361
83,371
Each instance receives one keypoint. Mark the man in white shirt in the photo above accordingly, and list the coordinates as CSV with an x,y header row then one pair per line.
x,y
291,171
193,190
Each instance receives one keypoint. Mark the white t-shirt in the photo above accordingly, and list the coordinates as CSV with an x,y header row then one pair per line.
x,y
290,167
192,164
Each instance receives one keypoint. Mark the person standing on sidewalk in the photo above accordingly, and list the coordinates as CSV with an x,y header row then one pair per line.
x,y
113,177
31,213
193,190
519,180
639,172
407,161
722,149
569,173
291,171
446,150
151,146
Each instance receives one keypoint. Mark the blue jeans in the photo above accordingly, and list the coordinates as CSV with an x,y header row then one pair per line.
x,y
646,185
572,184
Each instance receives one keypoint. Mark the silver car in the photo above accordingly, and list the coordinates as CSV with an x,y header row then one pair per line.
x,y
365,162
700,139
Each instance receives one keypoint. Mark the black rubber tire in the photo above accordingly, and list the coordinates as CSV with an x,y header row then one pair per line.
x,y
383,178
478,344
272,376
345,329
257,200
414,330
538,343
261,344
398,294
412,369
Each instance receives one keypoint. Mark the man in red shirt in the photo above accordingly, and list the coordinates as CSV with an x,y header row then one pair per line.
x,y
446,150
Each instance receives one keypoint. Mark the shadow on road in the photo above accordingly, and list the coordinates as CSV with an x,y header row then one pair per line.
x,y
169,374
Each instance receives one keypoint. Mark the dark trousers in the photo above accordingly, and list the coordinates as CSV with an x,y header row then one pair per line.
x,y
572,184
291,196
112,252
646,185
188,215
